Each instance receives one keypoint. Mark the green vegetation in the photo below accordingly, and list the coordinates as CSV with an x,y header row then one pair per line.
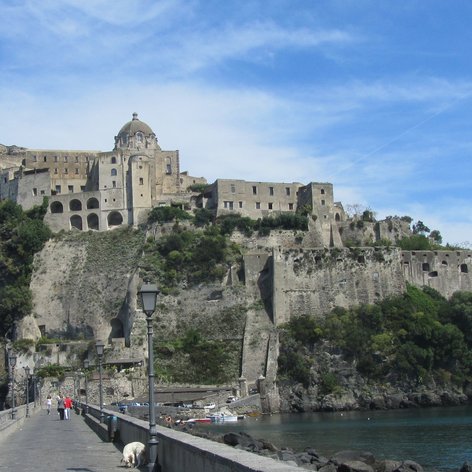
x,y
165,214
46,340
417,336
200,188
192,358
189,257
263,226
23,345
22,234
51,370
203,217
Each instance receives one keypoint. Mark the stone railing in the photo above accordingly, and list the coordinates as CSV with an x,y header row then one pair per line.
x,y
182,452
8,425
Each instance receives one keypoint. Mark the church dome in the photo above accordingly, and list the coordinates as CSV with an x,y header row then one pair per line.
x,y
136,134
135,125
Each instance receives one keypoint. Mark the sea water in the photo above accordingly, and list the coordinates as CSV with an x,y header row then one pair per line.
x,y
436,438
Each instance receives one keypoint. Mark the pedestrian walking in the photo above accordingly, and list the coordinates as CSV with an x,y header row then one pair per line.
x,y
48,404
60,406
67,407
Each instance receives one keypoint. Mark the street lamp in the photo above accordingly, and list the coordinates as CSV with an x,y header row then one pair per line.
x,y
148,294
86,366
27,372
12,364
99,346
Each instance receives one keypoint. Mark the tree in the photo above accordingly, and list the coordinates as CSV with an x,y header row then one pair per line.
x,y
435,235
420,228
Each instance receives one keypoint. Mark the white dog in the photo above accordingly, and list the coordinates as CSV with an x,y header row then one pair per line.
x,y
134,454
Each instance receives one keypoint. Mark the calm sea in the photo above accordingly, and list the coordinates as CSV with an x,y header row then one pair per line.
x,y
436,438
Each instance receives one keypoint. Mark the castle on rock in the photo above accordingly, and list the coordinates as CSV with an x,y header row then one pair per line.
x,y
93,190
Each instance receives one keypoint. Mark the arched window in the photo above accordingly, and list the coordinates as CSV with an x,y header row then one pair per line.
x,y
115,219
113,172
139,137
92,221
76,222
56,207
337,217
75,205
92,203
113,160
168,166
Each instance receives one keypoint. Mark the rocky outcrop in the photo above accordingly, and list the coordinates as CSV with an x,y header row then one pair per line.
x,y
310,459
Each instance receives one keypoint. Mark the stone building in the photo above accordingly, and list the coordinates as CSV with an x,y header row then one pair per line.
x,y
93,190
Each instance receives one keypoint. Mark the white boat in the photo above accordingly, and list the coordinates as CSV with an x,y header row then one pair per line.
x,y
222,417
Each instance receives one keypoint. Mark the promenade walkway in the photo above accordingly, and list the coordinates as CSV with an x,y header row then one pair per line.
x,y
45,443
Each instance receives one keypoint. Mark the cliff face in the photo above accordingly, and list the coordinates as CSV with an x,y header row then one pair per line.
x,y
80,284
85,286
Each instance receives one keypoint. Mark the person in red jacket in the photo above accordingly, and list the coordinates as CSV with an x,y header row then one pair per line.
x,y
67,407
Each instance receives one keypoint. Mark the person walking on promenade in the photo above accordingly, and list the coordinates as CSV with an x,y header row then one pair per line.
x,y
60,406
67,407
48,404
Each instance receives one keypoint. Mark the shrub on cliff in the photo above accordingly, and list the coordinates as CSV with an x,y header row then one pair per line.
x,y
189,257
414,337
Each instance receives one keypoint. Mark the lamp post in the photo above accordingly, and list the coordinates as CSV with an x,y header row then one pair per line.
x,y
12,364
86,366
33,380
27,372
148,294
99,346
79,375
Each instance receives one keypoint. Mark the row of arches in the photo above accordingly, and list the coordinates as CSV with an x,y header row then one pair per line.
x,y
74,205
115,218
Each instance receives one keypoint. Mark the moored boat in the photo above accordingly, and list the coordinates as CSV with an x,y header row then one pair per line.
x,y
222,417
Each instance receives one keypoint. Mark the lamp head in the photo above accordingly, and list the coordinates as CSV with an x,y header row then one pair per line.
x,y
99,346
12,359
86,364
27,371
148,294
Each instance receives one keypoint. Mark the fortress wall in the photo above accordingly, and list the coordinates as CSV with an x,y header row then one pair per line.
x,y
314,281
445,271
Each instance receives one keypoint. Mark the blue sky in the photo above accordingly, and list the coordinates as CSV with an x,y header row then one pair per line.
x,y
371,95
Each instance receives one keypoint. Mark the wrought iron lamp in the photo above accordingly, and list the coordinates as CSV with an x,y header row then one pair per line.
x,y
148,294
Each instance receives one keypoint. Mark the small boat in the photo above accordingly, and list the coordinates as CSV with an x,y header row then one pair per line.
x,y
224,418
197,420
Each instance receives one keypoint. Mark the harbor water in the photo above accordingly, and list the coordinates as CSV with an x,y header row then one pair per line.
x,y
436,438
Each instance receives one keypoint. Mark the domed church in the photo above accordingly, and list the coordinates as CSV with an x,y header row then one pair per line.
x,y
101,190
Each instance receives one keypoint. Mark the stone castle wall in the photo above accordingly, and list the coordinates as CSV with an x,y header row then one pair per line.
x,y
314,281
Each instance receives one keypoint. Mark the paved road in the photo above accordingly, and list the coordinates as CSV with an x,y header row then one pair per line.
x,y
47,444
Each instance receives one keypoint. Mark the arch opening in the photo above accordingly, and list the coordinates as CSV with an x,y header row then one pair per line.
x,y
76,222
75,205
56,207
